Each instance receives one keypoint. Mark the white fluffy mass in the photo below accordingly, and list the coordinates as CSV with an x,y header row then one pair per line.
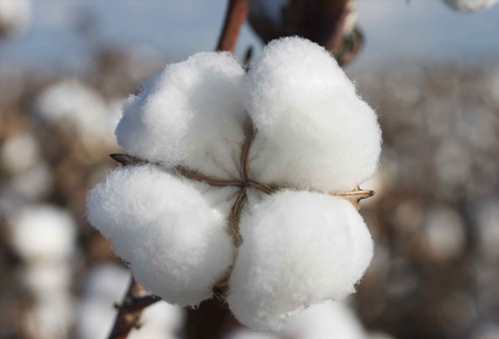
x,y
15,16
190,114
176,243
299,249
470,5
19,153
313,129
313,132
328,320
42,232
78,106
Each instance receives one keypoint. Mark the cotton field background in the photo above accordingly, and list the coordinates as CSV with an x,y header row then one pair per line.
x,y
428,69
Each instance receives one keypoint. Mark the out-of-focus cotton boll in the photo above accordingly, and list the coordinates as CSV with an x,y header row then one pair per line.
x,y
51,317
106,282
328,320
444,232
177,244
15,17
42,232
76,105
19,153
470,5
106,285
313,129
47,277
299,248
190,115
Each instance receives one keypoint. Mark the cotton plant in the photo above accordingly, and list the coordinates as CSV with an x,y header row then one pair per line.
x,y
244,186
470,5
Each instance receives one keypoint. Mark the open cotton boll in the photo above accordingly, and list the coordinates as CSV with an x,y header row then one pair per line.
x,y
328,320
51,317
79,106
177,244
42,232
190,114
15,16
299,249
45,277
313,129
19,153
470,5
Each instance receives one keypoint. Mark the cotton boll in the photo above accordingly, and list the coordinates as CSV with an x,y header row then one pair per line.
x,y
313,129
189,115
299,248
19,153
15,16
42,232
72,103
51,317
177,244
470,5
327,320
47,277
444,232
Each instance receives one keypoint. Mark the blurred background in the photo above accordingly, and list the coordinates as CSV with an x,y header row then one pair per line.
x,y
432,74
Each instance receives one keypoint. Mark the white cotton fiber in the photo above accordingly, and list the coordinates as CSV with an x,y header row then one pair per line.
x,y
470,5
299,249
328,320
42,232
190,114
314,131
15,16
177,244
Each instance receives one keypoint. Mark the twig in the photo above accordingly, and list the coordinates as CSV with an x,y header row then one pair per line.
x,y
235,16
130,310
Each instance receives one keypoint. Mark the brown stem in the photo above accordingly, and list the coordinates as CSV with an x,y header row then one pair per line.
x,y
130,310
235,16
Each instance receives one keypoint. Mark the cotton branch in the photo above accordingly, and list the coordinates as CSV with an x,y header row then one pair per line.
x,y
235,16
130,310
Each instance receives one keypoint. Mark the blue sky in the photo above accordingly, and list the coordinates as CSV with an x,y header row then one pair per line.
x,y
398,31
